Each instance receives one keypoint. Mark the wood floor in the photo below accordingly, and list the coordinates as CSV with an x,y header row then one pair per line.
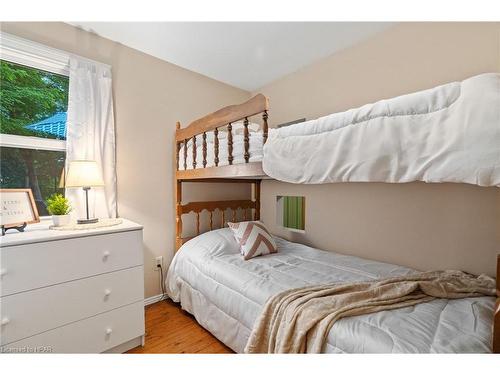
x,y
169,329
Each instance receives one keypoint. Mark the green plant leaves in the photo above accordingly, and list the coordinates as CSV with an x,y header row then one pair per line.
x,y
58,205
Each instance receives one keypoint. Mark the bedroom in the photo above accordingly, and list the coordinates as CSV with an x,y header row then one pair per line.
x,y
370,192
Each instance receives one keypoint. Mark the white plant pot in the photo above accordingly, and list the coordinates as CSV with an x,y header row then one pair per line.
x,y
60,220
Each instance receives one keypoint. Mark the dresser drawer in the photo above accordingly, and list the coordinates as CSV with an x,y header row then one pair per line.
x,y
39,310
35,265
93,335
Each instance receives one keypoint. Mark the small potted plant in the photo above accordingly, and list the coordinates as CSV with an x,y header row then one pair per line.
x,y
58,206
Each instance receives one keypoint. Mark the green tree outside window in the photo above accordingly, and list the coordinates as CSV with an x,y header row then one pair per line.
x,y
29,95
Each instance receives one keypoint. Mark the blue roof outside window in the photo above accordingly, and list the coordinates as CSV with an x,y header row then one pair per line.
x,y
54,125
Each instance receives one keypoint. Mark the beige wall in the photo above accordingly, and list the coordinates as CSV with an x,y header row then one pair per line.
x,y
426,226
150,95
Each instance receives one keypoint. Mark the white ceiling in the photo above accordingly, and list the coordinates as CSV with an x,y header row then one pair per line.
x,y
247,55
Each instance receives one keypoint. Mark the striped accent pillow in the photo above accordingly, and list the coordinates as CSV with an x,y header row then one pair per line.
x,y
254,239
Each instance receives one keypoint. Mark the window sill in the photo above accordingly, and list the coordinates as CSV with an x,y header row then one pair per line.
x,y
19,141
294,230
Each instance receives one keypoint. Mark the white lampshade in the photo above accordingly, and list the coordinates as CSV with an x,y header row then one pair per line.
x,y
83,173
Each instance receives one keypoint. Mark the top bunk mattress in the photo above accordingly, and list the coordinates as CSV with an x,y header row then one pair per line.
x,y
210,268
450,133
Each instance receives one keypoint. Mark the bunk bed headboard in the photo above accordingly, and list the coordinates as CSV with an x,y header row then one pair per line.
x,y
246,172
258,104
223,118
250,209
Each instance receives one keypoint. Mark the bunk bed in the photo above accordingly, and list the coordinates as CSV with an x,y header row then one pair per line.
x,y
226,293
198,154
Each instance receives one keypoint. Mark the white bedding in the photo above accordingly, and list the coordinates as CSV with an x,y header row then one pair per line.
x,y
450,133
226,293
255,150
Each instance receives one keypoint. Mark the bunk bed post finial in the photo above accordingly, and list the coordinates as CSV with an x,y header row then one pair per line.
x,y
496,314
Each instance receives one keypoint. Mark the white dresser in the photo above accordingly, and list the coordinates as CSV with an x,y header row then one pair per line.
x,y
72,291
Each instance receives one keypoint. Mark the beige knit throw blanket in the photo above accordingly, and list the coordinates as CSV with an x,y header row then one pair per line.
x,y
299,320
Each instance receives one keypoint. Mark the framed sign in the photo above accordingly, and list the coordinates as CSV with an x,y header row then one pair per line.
x,y
17,208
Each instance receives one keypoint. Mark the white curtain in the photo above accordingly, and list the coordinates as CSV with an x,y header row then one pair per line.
x,y
90,134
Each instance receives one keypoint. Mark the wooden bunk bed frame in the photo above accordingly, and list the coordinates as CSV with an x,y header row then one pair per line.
x,y
247,172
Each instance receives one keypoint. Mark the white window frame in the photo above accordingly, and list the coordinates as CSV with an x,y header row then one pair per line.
x,y
34,55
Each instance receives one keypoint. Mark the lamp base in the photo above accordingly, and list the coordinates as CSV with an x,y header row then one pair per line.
x,y
87,221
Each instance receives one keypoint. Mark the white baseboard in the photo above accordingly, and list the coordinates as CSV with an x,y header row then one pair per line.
x,y
154,299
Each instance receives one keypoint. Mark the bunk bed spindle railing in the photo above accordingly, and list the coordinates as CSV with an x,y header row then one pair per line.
x,y
204,150
265,127
246,140
230,144
185,154
216,147
223,218
212,168
194,152
256,105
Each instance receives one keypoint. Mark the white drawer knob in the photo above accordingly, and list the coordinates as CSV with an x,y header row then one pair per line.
x,y
107,292
3,272
108,331
106,254
5,321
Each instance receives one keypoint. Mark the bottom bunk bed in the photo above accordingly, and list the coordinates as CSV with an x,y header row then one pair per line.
x,y
226,294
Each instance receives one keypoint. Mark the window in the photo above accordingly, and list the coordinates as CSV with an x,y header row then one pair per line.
x,y
291,212
33,106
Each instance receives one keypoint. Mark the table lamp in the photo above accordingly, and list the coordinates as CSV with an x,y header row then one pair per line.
x,y
84,174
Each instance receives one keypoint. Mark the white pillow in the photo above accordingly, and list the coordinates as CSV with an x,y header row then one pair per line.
x,y
254,239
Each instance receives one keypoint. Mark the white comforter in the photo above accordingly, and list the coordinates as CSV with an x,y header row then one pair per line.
x,y
226,293
450,133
